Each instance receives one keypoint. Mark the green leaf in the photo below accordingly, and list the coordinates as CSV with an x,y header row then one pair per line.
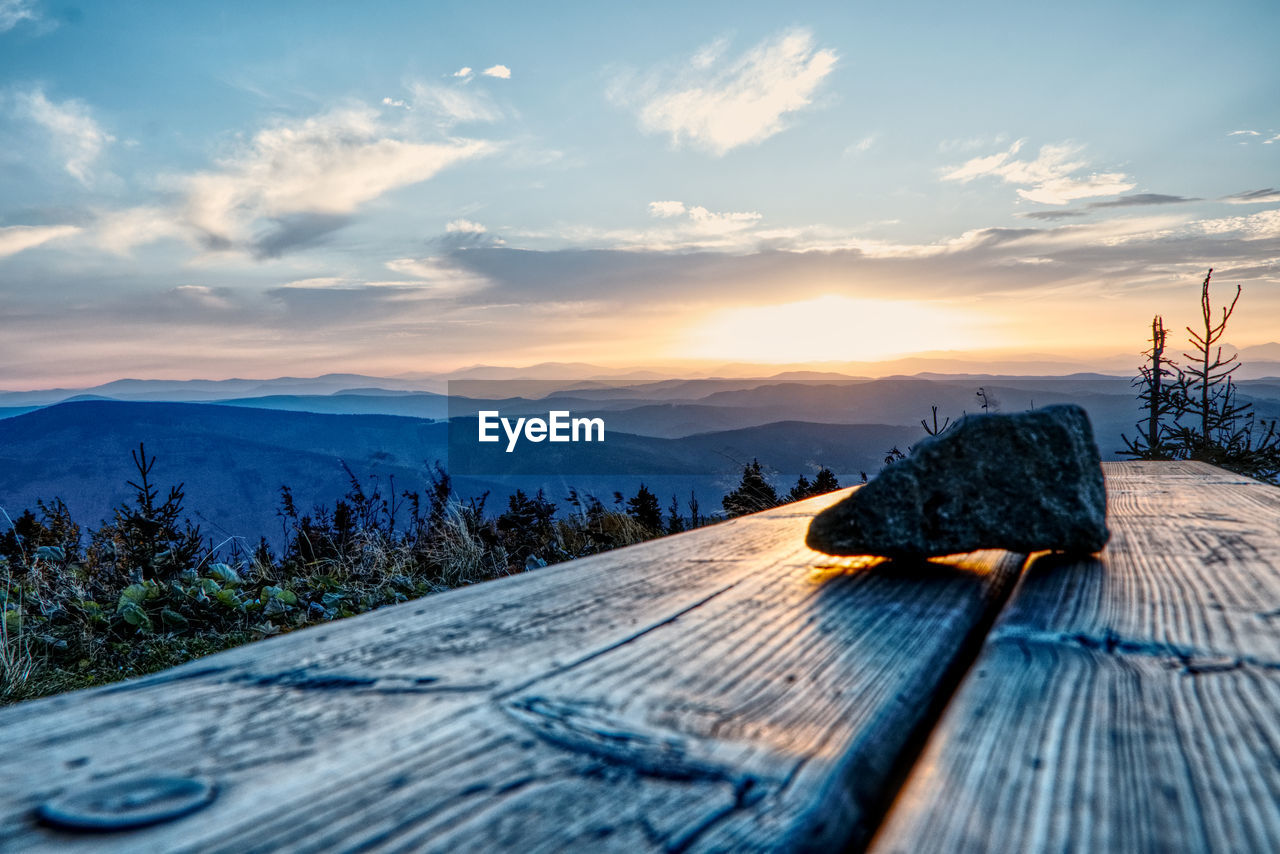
x,y
279,593
225,574
133,614
134,594
209,586
172,619
228,598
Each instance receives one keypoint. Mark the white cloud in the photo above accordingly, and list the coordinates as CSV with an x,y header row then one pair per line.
x,y
14,12
1047,176
860,146
499,71
16,238
718,106
703,221
700,221
395,102
439,273
685,227
120,231
464,72
76,136
1275,138
327,166
1259,226
971,143
464,226
451,105
666,210
1060,191
1244,133
1254,197
319,282
204,296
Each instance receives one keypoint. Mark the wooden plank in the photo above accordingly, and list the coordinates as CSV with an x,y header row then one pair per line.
x,y
722,688
1130,703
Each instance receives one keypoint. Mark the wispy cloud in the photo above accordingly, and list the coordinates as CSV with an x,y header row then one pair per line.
x,y
861,146
396,102
1254,197
452,105
499,71
694,223
666,209
1051,216
464,226
718,105
1047,179
463,73
1139,199
119,232
1244,133
16,238
76,136
14,12
440,273
296,182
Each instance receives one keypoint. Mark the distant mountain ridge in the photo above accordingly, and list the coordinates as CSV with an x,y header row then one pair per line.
x,y
234,460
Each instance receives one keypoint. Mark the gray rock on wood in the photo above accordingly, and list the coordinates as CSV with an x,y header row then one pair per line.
x,y
1024,482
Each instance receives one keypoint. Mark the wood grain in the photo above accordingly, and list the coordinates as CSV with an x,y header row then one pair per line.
x,y
722,689
1128,703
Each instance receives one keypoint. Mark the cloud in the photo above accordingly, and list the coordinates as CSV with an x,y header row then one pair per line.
x,y
666,209
499,71
717,106
1244,133
972,143
393,102
1053,215
1048,176
120,231
14,12
440,273
860,146
1254,197
463,73
1142,199
451,105
464,226
16,238
294,183
76,135
703,221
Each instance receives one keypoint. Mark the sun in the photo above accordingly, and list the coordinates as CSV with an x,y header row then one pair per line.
x,y
833,328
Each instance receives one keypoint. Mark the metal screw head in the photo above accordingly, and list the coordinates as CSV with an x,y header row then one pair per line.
x,y
127,804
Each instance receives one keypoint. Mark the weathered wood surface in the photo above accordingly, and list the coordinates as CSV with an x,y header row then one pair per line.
x,y
726,689
1130,703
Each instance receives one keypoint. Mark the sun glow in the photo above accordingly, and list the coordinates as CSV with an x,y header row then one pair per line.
x,y
834,328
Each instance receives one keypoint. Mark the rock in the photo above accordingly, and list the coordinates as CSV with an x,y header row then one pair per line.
x,y
1024,482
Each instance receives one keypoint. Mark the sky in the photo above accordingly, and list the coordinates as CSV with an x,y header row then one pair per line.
x,y
293,188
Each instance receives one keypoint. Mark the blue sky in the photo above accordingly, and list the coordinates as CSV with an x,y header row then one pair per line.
x,y
223,189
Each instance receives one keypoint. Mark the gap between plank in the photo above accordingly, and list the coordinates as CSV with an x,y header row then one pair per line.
x,y
905,763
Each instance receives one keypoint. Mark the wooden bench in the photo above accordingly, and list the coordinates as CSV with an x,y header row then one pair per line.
x,y
728,689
